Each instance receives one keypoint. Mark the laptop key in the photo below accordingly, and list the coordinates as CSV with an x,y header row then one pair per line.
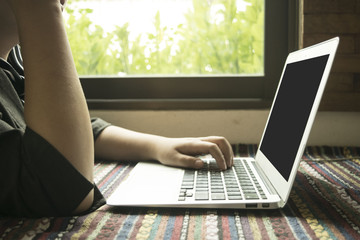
x,y
232,189
182,193
217,190
189,194
234,193
217,196
251,196
187,186
203,195
236,197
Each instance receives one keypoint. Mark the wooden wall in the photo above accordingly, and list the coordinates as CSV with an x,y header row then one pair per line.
x,y
321,20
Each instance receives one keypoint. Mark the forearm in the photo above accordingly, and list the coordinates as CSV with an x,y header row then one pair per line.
x,y
116,143
55,106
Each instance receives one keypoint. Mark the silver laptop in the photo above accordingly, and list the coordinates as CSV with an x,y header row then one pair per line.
x,y
261,182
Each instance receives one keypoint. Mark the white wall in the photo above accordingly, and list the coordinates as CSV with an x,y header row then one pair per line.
x,y
238,126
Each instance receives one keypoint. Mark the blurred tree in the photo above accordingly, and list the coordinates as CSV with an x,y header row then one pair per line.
x,y
216,38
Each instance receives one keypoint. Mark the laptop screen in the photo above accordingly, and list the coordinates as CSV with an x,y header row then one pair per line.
x,y
291,111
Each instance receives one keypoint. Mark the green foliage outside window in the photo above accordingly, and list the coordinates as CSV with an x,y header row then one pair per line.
x,y
230,44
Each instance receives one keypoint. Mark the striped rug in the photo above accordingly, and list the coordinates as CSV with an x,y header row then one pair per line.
x,y
324,204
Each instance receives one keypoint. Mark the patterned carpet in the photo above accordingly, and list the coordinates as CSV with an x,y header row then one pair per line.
x,y
324,204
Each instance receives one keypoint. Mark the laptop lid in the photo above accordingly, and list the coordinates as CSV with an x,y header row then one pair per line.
x,y
292,114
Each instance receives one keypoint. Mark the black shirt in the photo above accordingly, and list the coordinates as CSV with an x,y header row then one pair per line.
x,y
35,179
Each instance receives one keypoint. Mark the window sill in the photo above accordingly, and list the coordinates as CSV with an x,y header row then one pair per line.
x,y
177,104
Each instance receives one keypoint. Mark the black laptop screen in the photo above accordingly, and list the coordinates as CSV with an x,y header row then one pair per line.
x,y
291,111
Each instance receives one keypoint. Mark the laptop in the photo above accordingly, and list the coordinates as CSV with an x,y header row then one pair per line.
x,y
263,182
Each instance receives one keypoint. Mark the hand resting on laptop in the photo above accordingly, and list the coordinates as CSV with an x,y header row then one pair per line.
x,y
117,143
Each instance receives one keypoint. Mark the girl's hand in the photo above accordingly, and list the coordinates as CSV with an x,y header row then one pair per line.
x,y
183,152
117,144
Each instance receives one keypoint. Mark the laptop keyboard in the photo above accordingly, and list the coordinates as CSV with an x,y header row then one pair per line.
x,y
210,183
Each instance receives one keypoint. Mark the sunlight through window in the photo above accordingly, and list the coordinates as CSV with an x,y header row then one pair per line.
x,y
167,37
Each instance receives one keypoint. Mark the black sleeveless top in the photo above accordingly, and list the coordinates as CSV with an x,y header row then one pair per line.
x,y
35,179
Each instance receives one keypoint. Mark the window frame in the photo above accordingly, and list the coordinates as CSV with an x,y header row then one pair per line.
x,y
205,92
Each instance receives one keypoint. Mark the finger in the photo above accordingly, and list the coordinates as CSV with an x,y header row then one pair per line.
x,y
225,148
182,160
204,147
198,147
213,149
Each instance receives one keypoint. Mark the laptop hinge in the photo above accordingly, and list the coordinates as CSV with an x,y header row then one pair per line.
x,y
266,181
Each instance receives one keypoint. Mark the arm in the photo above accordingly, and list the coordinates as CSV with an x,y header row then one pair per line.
x,y
116,143
53,92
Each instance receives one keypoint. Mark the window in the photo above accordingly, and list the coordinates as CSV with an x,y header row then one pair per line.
x,y
211,54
